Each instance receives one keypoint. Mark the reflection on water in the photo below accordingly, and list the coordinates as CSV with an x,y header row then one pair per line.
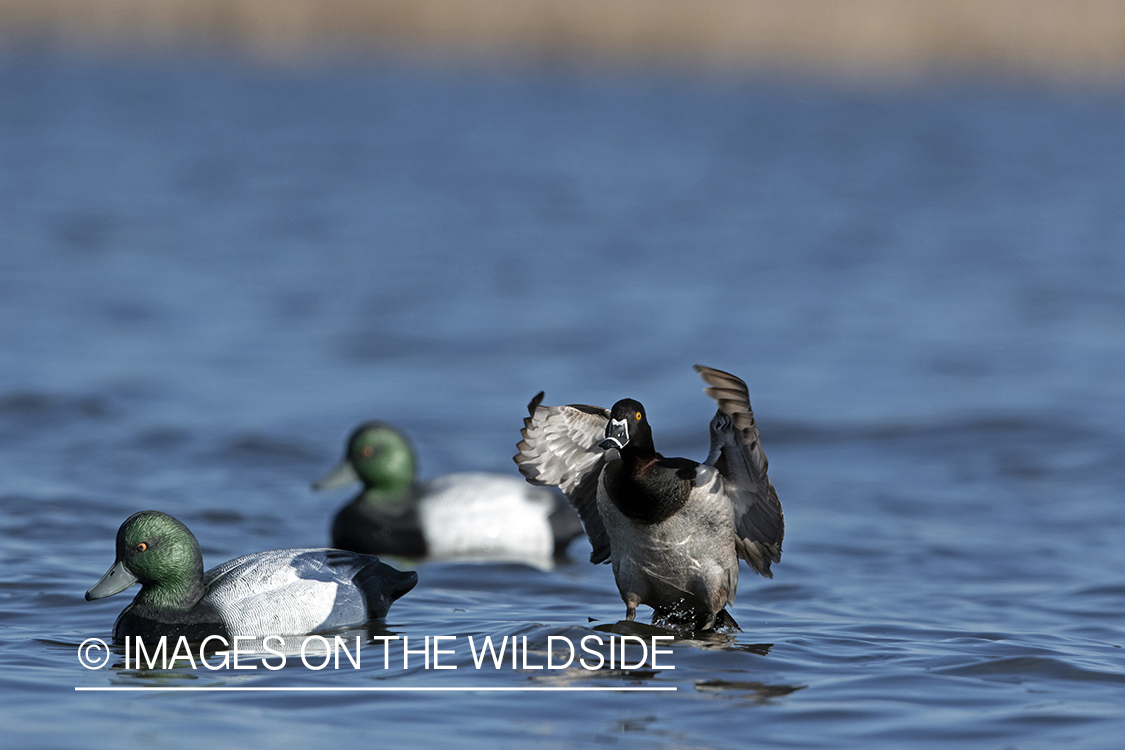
x,y
756,692
210,273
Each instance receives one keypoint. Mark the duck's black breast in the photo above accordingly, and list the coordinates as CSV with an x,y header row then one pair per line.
x,y
650,491
358,530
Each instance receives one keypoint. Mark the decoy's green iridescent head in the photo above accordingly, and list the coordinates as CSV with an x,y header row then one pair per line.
x,y
160,553
379,456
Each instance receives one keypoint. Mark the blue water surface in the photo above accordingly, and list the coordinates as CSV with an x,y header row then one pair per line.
x,y
210,272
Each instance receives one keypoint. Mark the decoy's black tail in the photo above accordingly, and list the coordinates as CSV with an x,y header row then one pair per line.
x,y
565,525
382,585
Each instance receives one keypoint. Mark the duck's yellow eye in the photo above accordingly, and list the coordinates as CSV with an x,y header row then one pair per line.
x,y
637,416
142,547
368,451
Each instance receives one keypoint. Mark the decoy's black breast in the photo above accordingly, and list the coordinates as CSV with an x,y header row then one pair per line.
x,y
195,624
377,534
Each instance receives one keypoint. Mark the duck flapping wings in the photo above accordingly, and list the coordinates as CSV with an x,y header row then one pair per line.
x,y
560,448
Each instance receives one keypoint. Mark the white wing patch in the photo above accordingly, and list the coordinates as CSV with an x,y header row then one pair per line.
x,y
560,448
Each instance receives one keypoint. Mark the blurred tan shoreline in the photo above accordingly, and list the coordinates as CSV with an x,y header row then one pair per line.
x,y
1034,39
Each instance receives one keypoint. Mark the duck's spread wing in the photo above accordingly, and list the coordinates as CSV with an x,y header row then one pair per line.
x,y
560,449
736,451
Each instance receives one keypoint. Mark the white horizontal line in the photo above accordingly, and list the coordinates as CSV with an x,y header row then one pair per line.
x,y
386,689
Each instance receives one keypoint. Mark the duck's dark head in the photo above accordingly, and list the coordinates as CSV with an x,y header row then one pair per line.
x,y
627,426
157,551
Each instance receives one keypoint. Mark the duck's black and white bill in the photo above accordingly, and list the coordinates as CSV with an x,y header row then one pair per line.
x,y
616,435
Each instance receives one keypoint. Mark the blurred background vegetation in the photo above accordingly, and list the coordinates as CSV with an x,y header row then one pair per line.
x,y
1053,40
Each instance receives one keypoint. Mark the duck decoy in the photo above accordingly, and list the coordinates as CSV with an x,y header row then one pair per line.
x,y
475,515
279,592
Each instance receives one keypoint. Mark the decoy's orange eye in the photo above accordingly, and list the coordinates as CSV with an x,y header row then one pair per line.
x,y
368,451
637,416
142,547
